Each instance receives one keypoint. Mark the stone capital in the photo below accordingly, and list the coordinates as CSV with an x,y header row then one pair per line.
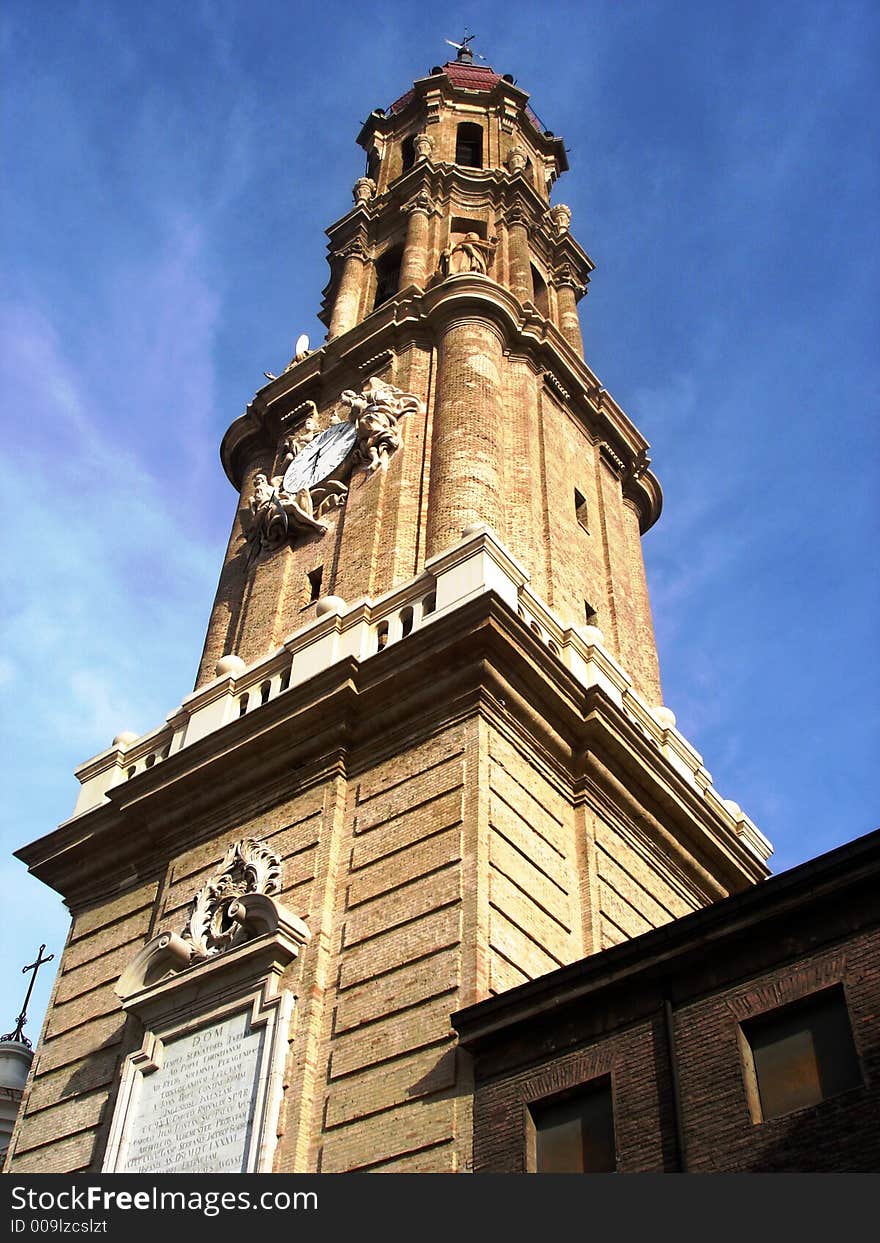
x,y
517,215
565,276
356,249
421,202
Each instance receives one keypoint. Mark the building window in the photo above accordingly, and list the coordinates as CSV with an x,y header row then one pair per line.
x,y
799,1055
542,298
469,145
580,509
573,1134
590,614
387,275
315,578
408,152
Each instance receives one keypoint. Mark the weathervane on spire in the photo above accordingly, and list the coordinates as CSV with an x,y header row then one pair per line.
x,y
465,55
18,1034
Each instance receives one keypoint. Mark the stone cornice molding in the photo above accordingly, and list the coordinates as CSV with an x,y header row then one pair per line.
x,y
488,645
430,95
353,224
415,315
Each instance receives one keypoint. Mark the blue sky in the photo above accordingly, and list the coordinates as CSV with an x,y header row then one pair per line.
x,y
169,171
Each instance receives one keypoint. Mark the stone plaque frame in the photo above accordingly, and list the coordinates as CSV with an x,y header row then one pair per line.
x,y
176,997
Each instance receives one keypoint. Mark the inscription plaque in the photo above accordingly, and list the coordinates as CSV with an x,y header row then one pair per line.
x,y
195,1112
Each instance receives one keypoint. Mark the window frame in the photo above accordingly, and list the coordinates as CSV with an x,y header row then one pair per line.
x,y
597,1083
751,1079
469,139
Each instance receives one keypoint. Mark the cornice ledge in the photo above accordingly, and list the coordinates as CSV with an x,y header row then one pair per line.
x,y
75,832
518,194
709,829
244,437
348,226
645,493
567,250
471,291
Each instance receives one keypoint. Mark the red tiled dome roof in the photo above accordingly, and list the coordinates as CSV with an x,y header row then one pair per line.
x,y
470,78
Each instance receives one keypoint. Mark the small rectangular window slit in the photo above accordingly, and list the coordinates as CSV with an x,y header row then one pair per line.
x,y
580,509
315,577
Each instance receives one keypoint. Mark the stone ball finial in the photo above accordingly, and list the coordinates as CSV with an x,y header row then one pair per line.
x,y
560,214
423,145
517,159
229,666
329,604
363,190
664,717
734,808
124,739
592,635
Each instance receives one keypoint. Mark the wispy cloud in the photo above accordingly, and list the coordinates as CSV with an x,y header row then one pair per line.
x,y
85,509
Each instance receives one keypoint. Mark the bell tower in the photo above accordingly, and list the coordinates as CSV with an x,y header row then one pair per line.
x,y
426,757
453,278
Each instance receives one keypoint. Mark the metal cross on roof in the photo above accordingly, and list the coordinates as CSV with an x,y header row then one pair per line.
x,y
18,1034
465,55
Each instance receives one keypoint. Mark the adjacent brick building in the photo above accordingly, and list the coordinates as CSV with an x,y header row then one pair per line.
x,y
743,1038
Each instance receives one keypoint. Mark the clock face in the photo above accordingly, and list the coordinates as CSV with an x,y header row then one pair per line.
x,y
320,458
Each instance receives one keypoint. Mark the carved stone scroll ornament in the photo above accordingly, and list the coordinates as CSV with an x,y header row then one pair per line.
x,y
375,412
421,202
218,909
566,275
639,465
516,214
356,249
232,912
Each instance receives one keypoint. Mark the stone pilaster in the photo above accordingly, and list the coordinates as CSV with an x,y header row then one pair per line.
x,y
518,256
568,290
351,283
414,266
466,445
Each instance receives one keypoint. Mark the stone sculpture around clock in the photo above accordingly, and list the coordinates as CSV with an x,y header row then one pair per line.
x,y
363,432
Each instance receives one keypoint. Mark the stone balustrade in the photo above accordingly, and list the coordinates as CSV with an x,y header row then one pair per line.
x,y
477,564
